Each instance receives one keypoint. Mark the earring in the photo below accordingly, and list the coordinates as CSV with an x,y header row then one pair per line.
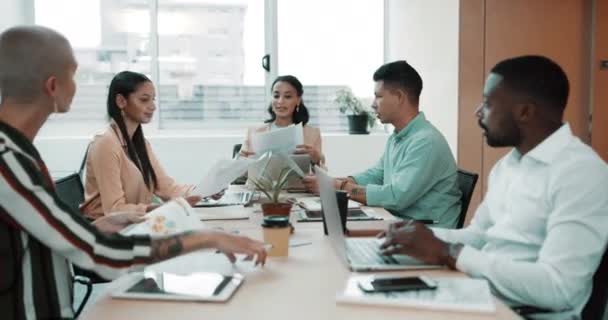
x,y
298,108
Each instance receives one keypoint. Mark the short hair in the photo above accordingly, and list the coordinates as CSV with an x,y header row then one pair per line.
x,y
402,75
29,55
537,77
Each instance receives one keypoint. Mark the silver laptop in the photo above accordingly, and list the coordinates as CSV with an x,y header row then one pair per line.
x,y
359,254
229,199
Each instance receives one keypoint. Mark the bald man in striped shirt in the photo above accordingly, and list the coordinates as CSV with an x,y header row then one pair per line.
x,y
40,235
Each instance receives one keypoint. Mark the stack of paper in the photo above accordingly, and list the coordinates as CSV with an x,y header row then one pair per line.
x,y
455,294
283,139
173,217
221,174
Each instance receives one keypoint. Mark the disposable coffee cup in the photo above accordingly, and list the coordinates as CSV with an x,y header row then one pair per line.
x,y
276,233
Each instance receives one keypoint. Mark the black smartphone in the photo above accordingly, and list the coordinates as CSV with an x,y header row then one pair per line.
x,y
397,284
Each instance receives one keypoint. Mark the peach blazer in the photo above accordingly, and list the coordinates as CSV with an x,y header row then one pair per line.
x,y
113,182
312,136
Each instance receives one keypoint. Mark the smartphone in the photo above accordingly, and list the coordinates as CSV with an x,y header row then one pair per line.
x,y
397,284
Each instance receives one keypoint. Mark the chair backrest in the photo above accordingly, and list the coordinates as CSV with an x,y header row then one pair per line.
x,y
466,183
236,149
70,190
596,306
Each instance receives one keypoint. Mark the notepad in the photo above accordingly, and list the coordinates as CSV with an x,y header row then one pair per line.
x,y
453,294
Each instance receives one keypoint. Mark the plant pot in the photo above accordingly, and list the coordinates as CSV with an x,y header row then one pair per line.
x,y
276,209
357,123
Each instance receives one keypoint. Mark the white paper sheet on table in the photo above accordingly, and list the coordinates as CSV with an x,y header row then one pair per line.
x,y
175,216
454,294
283,139
220,175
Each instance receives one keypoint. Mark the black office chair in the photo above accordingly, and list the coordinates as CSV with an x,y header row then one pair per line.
x,y
236,149
466,183
595,308
71,191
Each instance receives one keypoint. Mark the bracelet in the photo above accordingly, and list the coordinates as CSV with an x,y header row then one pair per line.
x,y
343,184
452,254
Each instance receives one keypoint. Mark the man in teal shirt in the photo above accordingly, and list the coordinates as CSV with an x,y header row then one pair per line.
x,y
416,177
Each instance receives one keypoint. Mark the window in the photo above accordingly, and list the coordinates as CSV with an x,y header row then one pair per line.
x,y
206,64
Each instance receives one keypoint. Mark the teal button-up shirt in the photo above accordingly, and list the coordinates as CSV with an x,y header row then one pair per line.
x,y
417,177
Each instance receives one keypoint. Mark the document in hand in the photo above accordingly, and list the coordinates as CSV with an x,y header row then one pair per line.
x,y
221,174
454,294
283,139
172,217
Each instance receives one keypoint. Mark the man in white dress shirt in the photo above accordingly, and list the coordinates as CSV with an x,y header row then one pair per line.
x,y
542,228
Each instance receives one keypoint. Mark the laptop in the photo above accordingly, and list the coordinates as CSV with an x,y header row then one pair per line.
x,y
238,198
274,166
358,254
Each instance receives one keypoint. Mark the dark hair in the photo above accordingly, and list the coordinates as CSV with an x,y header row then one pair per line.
x,y
125,83
539,78
402,75
301,112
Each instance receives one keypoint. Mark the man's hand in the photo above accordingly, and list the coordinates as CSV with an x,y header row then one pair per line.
x,y
310,183
416,240
314,153
117,221
231,244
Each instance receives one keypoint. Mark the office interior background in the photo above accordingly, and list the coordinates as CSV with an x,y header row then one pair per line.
x,y
205,58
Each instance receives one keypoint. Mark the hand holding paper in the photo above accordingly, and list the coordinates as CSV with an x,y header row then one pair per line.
x,y
220,175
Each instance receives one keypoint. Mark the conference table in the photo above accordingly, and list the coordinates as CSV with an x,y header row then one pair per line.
x,y
303,285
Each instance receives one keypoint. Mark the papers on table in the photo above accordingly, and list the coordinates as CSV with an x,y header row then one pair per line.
x,y
455,294
314,204
222,213
282,139
220,175
172,217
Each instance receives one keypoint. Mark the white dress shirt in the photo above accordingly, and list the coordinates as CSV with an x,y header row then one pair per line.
x,y
539,234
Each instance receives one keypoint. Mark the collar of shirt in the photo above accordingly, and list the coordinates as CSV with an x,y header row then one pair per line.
x,y
413,126
548,149
20,140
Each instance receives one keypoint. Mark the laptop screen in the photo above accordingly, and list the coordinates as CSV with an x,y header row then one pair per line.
x,y
329,205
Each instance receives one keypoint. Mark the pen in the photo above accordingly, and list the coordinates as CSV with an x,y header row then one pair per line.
x,y
428,221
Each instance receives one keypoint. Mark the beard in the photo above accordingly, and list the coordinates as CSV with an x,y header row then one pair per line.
x,y
509,137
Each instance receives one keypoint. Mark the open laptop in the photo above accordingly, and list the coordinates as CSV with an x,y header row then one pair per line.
x,y
228,199
359,254
276,164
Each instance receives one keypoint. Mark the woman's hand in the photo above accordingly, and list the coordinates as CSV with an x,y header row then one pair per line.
x,y
246,154
117,221
193,200
315,154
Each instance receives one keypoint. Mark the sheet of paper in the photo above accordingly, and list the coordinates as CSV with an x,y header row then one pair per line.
x,y
172,217
221,174
283,139
314,203
456,294
222,213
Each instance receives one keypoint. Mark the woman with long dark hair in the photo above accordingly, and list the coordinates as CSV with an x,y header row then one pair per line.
x,y
286,108
122,172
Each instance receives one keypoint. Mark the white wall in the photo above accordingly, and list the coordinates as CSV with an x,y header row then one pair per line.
x,y
425,33
187,157
13,12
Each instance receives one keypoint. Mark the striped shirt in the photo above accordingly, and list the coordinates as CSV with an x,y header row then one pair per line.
x,y
40,236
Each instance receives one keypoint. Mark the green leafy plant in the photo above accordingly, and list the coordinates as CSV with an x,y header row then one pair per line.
x,y
272,187
348,103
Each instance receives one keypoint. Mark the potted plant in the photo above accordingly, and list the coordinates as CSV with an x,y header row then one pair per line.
x,y
359,117
272,189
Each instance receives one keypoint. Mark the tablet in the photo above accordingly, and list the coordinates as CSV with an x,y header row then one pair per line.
x,y
199,286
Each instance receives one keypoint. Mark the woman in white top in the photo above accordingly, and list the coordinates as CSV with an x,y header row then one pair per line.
x,y
285,109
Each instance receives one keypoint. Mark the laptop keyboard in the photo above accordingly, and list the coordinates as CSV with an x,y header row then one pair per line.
x,y
367,251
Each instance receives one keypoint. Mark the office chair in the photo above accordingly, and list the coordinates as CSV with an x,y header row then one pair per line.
x,y
466,184
595,308
236,149
71,191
